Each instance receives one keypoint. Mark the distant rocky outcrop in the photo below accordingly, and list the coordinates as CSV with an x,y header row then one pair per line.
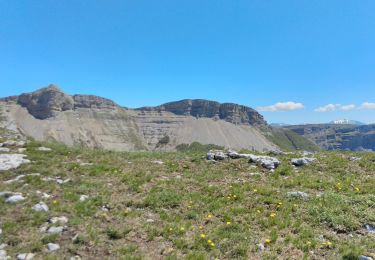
x,y
232,113
338,137
49,114
49,101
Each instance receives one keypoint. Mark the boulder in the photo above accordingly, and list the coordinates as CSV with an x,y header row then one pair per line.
x,y
61,220
15,199
303,161
11,161
267,162
53,247
298,194
40,207
55,230
28,256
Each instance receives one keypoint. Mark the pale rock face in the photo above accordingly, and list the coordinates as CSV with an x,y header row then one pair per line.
x,y
55,230
11,161
61,220
28,256
15,199
53,247
41,207
44,149
303,161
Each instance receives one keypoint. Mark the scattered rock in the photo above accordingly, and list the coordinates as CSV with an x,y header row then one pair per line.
x,y
41,207
3,254
20,177
61,220
21,150
15,199
363,257
303,161
27,256
354,159
44,149
3,246
11,161
106,208
55,230
158,162
7,194
261,247
4,150
83,197
13,143
370,228
53,247
150,221
58,180
267,162
77,257
298,194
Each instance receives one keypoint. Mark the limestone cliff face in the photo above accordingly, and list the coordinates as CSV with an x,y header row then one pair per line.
x,y
49,101
91,121
232,113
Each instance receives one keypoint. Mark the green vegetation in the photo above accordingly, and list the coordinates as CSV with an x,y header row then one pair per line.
x,y
197,147
189,208
290,141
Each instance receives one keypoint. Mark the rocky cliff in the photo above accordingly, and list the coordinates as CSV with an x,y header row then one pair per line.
x,y
232,113
86,120
338,137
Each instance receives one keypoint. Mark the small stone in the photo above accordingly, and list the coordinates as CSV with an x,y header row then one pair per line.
x,y
15,199
370,228
77,257
4,150
3,254
3,246
298,194
11,161
150,220
261,247
40,207
303,161
83,197
44,149
363,257
21,150
53,247
27,256
55,230
61,220
158,162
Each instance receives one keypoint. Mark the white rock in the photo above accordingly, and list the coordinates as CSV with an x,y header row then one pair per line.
x,y
14,143
267,162
20,177
261,247
303,161
363,257
44,149
4,150
370,228
3,246
41,207
3,254
61,220
27,256
21,150
150,220
53,247
77,257
298,194
83,197
15,198
55,230
11,161
158,162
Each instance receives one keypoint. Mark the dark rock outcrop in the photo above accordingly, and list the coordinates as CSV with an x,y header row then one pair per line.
x,y
45,102
90,101
233,113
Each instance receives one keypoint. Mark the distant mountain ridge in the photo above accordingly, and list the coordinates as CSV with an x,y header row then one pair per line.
x,y
346,122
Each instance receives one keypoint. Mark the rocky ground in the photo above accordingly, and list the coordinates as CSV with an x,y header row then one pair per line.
x,y
65,203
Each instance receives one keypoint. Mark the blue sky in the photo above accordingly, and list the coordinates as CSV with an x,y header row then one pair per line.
x,y
253,52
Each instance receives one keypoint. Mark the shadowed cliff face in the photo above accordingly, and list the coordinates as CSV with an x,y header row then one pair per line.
x,y
49,101
232,113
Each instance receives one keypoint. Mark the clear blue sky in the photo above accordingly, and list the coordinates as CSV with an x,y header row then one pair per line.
x,y
252,52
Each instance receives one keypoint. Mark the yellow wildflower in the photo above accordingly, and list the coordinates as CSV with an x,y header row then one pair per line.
x,y
267,241
203,236
229,223
272,215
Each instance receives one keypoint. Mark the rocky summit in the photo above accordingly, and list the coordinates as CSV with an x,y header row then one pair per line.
x,y
50,114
